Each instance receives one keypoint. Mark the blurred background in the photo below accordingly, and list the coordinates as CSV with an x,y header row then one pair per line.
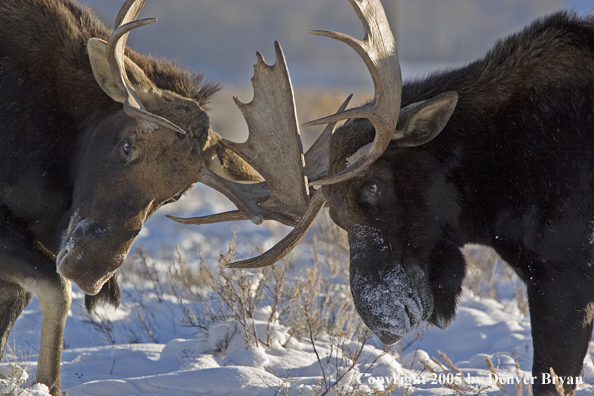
x,y
221,37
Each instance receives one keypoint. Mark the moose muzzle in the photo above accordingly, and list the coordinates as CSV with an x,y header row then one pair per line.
x,y
391,301
92,251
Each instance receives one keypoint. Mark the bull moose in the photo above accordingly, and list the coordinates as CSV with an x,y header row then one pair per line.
x,y
94,138
499,152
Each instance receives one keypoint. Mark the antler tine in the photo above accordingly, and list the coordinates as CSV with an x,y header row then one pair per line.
x,y
273,149
288,243
129,12
234,215
319,167
116,44
316,158
378,51
247,198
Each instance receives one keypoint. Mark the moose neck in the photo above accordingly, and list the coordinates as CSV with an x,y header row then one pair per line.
x,y
506,167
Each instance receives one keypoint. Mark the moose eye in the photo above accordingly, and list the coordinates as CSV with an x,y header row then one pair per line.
x,y
127,150
370,193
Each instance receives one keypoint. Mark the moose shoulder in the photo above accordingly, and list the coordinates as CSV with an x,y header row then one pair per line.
x,y
94,137
498,152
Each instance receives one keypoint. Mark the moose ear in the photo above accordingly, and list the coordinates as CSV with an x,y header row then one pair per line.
x,y
101,69
104,77
420,122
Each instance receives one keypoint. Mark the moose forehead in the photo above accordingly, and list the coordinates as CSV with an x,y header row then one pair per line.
x,y
183,112
347,139
408,179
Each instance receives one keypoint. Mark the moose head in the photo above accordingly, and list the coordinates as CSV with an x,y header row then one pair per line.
x,y
496,152
132,160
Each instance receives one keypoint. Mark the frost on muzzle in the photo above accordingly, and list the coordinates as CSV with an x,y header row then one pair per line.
x,y
93,250
385,295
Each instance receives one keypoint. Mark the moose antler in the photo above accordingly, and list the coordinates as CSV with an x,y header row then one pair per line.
x,y
125,22
378,51
273,149
316,160
288,243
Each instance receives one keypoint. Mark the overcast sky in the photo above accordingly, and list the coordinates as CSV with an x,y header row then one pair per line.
x,y
582,6
222,36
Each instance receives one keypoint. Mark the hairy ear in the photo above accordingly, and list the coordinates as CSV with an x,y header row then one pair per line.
x,y
226,163
104,77
101,69
420,122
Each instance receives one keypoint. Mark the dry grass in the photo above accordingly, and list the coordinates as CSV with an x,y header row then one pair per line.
x,y
14,370
314,303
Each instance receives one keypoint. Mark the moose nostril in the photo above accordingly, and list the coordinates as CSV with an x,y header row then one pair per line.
x,y
411,317
61,255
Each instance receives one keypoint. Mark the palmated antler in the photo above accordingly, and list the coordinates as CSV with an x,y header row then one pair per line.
x,y
316,160
273,149
378,51
125,22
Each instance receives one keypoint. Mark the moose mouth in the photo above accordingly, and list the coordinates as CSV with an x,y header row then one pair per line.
x,y
87,258
388,305
68,266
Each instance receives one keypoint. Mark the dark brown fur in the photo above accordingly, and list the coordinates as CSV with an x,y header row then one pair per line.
x,y
68,190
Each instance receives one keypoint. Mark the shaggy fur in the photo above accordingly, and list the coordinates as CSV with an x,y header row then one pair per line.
x,y
78,178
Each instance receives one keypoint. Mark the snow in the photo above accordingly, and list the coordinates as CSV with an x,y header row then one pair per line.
x,y
148,346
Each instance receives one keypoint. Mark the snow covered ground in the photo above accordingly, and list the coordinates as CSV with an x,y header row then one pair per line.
x,y
173,340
